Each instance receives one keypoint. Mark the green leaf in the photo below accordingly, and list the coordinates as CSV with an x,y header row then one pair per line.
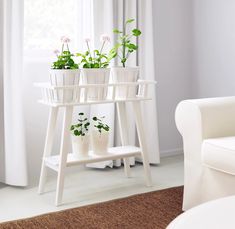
x,y
87,124
86,65
123,60
136,32
105,65
96,65
96,52
130,21
76,132
106,128
117,31
72,128
131,46
103,56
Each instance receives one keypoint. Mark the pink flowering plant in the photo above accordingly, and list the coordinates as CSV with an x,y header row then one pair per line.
x,y
64,57
96,58
124,46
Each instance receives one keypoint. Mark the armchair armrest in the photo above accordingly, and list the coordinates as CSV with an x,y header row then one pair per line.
x,y
200,119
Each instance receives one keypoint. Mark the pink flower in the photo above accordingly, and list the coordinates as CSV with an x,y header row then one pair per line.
x,y
87,39
65,39
105,38
56,51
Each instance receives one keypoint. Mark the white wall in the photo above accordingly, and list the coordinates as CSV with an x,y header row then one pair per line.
x,y
195,57
173,39
214,48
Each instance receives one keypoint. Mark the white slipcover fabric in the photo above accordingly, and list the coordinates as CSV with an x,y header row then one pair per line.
x,y
216,214
219,154
199,120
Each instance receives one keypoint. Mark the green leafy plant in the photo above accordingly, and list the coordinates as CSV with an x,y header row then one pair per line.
x,y
124,42
82,127
96,58
100,125
64,58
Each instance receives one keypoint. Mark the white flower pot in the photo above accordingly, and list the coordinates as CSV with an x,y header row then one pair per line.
x,y
63,77
80,145
125,75
95,76
100,142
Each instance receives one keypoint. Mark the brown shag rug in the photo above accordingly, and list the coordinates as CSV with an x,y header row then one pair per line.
x,y
149,210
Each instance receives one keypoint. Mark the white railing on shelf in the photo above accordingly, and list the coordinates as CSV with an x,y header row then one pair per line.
x,y
72,94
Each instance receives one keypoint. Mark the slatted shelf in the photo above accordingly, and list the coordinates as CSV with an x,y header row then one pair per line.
x,y
112,154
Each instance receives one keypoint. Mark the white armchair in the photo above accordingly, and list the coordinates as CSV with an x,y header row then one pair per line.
x,y
208,130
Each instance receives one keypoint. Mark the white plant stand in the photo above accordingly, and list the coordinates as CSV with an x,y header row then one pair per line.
x,y
64,159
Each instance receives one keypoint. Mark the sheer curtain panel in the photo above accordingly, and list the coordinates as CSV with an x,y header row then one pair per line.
x,y
13,166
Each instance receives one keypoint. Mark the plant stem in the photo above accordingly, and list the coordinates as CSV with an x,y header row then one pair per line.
x,y
102,47
124,45
62,50
124,52
67,46
88,48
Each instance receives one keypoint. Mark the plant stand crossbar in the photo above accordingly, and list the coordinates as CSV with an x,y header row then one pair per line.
x,y
59,162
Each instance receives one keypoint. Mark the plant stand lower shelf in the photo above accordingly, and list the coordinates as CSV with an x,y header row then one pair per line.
x,y
112,154
60,162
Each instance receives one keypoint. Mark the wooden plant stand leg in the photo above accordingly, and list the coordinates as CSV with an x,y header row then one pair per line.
x,y
141,135
121,111
48,146
65,139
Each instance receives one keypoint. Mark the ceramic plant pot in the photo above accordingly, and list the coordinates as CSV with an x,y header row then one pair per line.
x,y
100,142
125,75
95,76
63,77
80,145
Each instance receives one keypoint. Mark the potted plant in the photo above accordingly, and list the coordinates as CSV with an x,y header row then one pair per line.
x,y
123,49
100,136
80,136
64,71
95,68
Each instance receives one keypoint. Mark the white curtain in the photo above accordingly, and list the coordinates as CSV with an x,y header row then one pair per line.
x,y
104,15
13,166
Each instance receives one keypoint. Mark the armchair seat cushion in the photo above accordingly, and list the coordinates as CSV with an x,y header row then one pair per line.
x,y
219,154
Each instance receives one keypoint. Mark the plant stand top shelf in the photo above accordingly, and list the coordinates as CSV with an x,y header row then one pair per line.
x,y
73,95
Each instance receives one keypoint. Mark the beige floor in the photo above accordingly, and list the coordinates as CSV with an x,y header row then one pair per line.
x,y
88,186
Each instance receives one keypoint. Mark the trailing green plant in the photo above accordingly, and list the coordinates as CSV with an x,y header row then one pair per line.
x,y
96,58
64,58
124,42
100,125
82,127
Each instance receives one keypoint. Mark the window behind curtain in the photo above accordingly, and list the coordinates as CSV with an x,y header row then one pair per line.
x,y
45,22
